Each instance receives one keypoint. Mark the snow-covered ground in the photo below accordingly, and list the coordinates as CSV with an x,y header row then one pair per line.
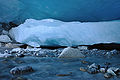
x,y
54,32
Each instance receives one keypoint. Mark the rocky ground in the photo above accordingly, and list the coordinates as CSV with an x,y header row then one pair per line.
x,y
21,62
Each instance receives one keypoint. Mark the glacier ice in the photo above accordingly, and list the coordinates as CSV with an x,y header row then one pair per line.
x,y
65,10
52,32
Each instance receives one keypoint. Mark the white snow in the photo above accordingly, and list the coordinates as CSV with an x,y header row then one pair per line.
x,y
53,32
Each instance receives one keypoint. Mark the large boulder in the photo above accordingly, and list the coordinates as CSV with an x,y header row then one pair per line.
x,y
71,53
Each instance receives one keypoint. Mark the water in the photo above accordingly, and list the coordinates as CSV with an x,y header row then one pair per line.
x,y
47,68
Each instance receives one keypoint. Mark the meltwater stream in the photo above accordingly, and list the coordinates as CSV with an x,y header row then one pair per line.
x,y
50,68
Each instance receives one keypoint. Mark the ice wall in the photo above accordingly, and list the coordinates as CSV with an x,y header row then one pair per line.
x,y
66,10
54,32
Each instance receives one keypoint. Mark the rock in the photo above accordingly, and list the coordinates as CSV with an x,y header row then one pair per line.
x,y
83,69
102,70
21,70
94,66
71,53
4,38
20,55
16,50
114,52
107,75
6,55
113,71
6,51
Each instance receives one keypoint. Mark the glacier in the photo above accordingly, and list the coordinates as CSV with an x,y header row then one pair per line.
x,y
66,10
50,32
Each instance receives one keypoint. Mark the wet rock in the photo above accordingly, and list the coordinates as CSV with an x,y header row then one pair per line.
x,y
83,69
4,38
94,66
20,55
113,71
71,53
92,70
16,50
21,70
6,52
107,75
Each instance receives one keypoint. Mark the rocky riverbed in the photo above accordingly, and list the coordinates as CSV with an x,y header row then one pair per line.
x,y
55,64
